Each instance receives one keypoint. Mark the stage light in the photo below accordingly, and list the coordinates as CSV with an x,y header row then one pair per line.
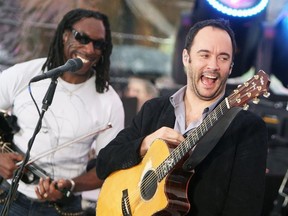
x,y
279,64
239,8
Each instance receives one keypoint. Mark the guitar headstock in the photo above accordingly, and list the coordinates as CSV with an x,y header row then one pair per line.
x,y
250,90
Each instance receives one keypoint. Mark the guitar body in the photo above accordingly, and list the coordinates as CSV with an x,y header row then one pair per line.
x,y
136,191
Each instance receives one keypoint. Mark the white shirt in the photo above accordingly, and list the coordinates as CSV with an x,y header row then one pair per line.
x,y
76,110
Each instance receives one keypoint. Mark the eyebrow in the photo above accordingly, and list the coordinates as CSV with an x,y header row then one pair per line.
x,y
207,51
203,50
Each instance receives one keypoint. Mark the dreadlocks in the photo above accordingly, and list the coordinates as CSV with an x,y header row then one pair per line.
x,y
55,56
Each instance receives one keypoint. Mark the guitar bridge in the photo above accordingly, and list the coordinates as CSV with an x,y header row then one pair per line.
x,y
125,203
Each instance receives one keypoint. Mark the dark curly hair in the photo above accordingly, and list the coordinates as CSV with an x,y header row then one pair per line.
x,y
55,56
217,23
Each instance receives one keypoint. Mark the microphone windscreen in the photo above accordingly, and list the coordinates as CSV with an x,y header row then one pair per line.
x,y
75,64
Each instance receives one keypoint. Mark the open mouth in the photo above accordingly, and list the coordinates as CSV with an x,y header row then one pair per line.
x,y
84,60
208,79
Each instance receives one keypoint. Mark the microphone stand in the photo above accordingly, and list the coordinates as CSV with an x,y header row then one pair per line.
x,y
18,174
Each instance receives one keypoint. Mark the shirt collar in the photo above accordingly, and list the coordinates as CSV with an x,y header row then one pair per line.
x,y
178,98
177,101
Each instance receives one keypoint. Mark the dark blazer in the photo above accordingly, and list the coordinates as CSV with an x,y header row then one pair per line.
x,y
230,181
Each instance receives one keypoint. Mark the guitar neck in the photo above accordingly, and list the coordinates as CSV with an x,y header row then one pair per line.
x,y
191,140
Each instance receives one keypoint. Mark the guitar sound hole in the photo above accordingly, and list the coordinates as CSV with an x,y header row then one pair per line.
x,y
148,185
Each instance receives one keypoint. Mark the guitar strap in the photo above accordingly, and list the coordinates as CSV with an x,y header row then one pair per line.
x,y
210,139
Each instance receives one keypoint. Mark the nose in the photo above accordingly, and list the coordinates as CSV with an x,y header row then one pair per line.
x,y
90,48
213,64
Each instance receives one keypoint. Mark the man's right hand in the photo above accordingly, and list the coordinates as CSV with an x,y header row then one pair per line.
x,y
171,136
8,164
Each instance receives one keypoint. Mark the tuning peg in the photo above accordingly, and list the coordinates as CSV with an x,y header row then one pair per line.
x,y
245,107
266,94
256,100
236,91
256,76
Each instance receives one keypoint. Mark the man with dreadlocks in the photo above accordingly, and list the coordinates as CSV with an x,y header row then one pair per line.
x,y
84,105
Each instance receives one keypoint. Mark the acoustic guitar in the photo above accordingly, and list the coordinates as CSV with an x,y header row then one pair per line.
x,y
158,184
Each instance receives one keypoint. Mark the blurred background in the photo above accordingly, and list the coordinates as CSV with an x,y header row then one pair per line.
x,y
148,38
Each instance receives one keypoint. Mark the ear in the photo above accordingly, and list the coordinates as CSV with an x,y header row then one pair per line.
x,y
185,56
65,36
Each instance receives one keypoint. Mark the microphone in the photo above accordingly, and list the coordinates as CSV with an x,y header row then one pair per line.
x,y
71,65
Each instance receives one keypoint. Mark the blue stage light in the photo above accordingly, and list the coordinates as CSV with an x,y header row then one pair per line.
x,y
279,64
239,8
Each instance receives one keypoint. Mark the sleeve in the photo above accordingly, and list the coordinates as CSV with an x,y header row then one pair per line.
x,y
120,153
123,151
247,185
16,79
6,89
115,114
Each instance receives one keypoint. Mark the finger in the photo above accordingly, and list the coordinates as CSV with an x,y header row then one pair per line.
x,y
39,195
59,184
172,143
46,184
55,192
15,156
41,186
54,186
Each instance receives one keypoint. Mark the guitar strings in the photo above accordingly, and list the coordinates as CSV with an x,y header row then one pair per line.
x,y
4,146
149,182
6,149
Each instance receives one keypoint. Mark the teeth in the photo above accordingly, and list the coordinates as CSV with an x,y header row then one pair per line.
x,y
83,60
210,77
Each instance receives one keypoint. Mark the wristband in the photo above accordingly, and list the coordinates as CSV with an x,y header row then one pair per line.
x,y
72,185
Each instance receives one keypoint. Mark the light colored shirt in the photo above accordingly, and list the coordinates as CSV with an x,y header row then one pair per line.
x,y
77,110
177,101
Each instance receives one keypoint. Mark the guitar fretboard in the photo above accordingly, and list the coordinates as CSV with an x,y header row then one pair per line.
x,y
191,140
